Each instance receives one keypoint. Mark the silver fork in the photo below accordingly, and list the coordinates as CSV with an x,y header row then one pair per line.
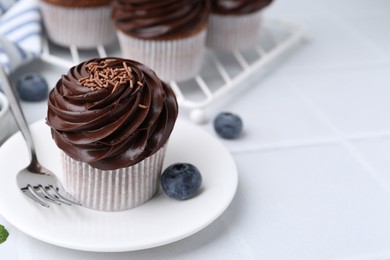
x,y
35,181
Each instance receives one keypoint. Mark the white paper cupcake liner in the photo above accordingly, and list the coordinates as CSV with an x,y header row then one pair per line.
x,y
178,59
113,190
84,27
233,32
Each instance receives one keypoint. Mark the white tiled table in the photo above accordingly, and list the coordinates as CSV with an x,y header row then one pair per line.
x,y
314,168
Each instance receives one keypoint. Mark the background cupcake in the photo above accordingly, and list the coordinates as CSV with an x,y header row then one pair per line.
x,y
169,36
82,23
235,24
112,119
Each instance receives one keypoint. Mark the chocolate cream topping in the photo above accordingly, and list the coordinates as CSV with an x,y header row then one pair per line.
x,y
238,7
111,113
79,3
160,20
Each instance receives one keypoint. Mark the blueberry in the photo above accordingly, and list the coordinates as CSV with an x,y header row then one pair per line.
x,y
181,181
228,125
32,87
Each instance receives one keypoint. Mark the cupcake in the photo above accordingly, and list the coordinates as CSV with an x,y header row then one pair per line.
x,y
235,24
111,118
168,36
82,23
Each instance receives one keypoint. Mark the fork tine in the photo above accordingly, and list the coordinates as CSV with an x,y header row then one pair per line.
x,y
48,196
32,194
55,190
56,195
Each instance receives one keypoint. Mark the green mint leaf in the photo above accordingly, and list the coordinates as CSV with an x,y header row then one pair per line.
x,y
3,234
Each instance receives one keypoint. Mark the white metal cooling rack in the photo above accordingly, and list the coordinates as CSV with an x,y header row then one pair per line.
x,y
220,73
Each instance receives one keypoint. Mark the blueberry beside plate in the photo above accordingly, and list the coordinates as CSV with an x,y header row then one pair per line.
x,y
32,87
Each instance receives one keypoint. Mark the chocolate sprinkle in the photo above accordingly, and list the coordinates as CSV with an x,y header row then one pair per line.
x,y
101,76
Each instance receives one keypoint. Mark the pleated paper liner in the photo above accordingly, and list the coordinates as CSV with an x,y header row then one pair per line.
x,y
83,27
176,59
113,190
233,32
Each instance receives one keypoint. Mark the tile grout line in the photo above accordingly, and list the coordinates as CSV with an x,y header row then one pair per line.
x,y
239,240
292,144
342,139
302,143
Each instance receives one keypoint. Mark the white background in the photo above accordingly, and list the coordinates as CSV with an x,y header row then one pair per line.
x,y
314,168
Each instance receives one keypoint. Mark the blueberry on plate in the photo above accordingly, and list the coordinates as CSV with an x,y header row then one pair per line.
x,y
228,125
32,87
181,181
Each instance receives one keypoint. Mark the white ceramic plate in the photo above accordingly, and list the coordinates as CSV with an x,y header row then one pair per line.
x,y
160,221
4,117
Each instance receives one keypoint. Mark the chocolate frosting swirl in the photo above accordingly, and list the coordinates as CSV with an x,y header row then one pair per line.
x,y
111,127
150,19
79,3
238,7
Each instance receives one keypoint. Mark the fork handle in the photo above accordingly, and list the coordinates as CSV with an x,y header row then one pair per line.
x,y
17,112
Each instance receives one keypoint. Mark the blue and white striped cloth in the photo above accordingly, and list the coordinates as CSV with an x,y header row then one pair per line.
x,y
20,32
5,5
